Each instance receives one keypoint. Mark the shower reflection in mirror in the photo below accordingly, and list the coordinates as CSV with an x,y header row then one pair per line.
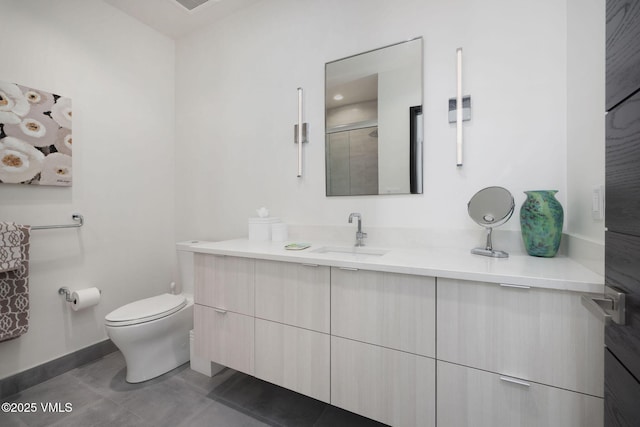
x,y
373,122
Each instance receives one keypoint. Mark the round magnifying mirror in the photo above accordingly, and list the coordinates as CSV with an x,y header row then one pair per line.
x,y
491,207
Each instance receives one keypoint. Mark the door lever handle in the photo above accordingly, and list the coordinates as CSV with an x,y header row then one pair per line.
x,y
611,308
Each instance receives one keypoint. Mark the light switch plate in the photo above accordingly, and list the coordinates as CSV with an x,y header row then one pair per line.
x,y
597,203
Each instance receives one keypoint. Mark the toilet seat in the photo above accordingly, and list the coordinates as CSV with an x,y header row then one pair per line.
x,y
145,310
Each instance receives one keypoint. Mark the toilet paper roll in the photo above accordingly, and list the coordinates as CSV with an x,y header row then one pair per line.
x,y
84,298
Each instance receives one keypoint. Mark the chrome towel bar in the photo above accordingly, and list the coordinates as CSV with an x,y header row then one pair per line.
x,y
76,217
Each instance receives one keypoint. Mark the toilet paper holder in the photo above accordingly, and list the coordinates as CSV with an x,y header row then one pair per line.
x,y
67,293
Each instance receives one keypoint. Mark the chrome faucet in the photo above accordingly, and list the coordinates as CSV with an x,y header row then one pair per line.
x,y
359,234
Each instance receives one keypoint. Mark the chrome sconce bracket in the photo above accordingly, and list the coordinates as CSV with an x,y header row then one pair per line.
x,y
466,109
305,133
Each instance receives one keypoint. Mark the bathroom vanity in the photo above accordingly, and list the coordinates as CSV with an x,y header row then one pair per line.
x,y
408,337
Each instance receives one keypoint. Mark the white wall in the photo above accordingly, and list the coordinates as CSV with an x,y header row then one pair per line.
x,y
236,104
120,76
396,93
585,114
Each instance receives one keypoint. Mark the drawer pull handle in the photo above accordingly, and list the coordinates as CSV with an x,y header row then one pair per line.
x,y
348,268
508,285
515,381
310,265
218,310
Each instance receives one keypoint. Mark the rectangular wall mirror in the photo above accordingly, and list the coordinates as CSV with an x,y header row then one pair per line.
x,y
373,119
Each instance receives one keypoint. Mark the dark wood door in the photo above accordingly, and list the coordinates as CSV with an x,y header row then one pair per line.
x,y
623,50
622,240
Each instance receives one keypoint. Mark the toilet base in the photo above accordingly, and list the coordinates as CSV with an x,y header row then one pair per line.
x,y
154,348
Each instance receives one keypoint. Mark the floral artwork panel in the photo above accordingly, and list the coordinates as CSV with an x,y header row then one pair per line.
x,y
35,136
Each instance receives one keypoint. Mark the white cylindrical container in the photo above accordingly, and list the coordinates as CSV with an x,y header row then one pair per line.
x,y
279,232
260,228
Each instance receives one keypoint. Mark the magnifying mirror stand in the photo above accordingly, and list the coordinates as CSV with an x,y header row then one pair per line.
x,y
488,249
490,207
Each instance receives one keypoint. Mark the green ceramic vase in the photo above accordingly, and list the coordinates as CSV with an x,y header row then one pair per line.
x,y
541,219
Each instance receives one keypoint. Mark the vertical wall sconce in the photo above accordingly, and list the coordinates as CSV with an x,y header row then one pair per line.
x,y
301,132
458,115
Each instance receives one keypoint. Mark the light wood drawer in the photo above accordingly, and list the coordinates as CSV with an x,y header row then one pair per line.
x,y
470,397
387,309
226,338
225,282
295,294
390,386
541,335
294,358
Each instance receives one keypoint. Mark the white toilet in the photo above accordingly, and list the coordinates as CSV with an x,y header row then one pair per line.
x,y
153,333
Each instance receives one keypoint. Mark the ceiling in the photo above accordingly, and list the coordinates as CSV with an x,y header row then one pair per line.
x,y
174,20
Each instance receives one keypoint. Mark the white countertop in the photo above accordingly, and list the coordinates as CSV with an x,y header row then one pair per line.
x,y
559,272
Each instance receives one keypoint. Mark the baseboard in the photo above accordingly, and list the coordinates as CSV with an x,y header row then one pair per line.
x,y
25,379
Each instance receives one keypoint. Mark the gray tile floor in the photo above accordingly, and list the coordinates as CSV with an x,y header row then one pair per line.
x,y
99,396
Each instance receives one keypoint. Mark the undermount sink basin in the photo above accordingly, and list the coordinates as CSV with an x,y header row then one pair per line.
x,y
359,251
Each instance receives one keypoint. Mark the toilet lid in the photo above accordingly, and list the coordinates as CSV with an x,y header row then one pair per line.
x,y
146,309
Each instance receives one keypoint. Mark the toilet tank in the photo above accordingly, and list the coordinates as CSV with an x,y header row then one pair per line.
x,y
185,277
